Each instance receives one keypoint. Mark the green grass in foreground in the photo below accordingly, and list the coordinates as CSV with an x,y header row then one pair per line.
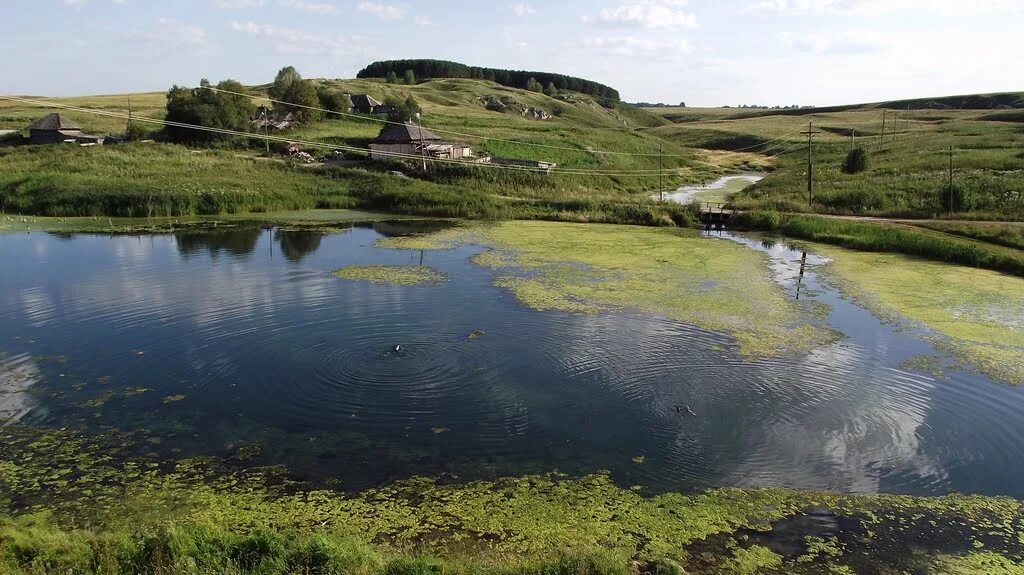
x,y
83,504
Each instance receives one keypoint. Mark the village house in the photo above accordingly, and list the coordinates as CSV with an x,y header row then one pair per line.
x,y
56,128
266,119
365,104
399,140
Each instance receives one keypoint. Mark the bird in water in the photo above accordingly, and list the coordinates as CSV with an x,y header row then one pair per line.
x,y
686,406
398,349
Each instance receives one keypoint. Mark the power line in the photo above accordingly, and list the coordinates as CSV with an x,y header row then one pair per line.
x,y
225,131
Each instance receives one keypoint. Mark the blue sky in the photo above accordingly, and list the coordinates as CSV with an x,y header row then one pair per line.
x,y
702,52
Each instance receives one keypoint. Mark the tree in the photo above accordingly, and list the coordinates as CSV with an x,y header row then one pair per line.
x,y
402,111
856,161
282,82
301,100
682,104
410,77
208,108
333,100
551,90
391,78
533,85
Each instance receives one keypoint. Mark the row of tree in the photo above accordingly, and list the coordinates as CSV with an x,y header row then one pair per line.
x,y
228,105
513,78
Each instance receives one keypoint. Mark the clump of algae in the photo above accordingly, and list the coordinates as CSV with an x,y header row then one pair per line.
x,y
719,286
975,314
392,275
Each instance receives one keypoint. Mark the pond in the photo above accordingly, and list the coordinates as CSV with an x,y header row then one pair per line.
x,y
242,340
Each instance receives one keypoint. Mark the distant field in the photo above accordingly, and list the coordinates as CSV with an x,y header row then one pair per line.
x,y
906,174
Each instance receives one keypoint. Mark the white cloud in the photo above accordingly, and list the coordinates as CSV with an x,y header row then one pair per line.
x,y
170,34
665,14
423,21
849,42
512,42
236,4
633,47
523,10
312,7
869,8
292,41
382,11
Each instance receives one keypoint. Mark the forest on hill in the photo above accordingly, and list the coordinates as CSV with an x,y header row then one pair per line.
x,y
534,81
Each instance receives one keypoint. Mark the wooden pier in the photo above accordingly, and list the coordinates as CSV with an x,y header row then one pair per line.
x,y
715,213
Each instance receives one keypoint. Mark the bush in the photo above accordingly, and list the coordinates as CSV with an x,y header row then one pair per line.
x,y
856,161
759,220
962,199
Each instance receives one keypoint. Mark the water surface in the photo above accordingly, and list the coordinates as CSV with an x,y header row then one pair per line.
x,y
242,337
709,192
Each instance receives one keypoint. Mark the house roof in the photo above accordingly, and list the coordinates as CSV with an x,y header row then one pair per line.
x,y
54,122
364,101
404,133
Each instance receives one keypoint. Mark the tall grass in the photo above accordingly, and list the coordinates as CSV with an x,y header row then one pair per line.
x,y
33,547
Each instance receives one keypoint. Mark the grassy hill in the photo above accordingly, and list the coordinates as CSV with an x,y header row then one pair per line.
x,y
125,181
907,171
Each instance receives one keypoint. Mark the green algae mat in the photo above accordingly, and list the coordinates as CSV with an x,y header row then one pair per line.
x,y
588,268
976,315
88,504
392,275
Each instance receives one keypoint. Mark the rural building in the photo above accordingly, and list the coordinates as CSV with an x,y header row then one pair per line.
x,y
365,104
546,166
55,128
267,119
397,140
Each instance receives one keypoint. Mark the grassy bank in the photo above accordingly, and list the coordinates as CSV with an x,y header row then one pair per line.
x,y
159,180
882,237
86,505
906,172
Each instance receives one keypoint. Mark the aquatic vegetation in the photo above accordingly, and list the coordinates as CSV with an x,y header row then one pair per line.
x,y
714,285
71,502
392,275
173,398
978,315
476,333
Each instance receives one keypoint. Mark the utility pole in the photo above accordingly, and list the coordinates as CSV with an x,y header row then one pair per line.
x,y
661,172
129,117
895,122
853,139
266,129
423,151
810,163
881,135
951,179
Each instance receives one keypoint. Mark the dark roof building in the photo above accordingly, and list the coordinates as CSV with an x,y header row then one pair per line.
x,y
56,128
364,103
407,133
407,140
